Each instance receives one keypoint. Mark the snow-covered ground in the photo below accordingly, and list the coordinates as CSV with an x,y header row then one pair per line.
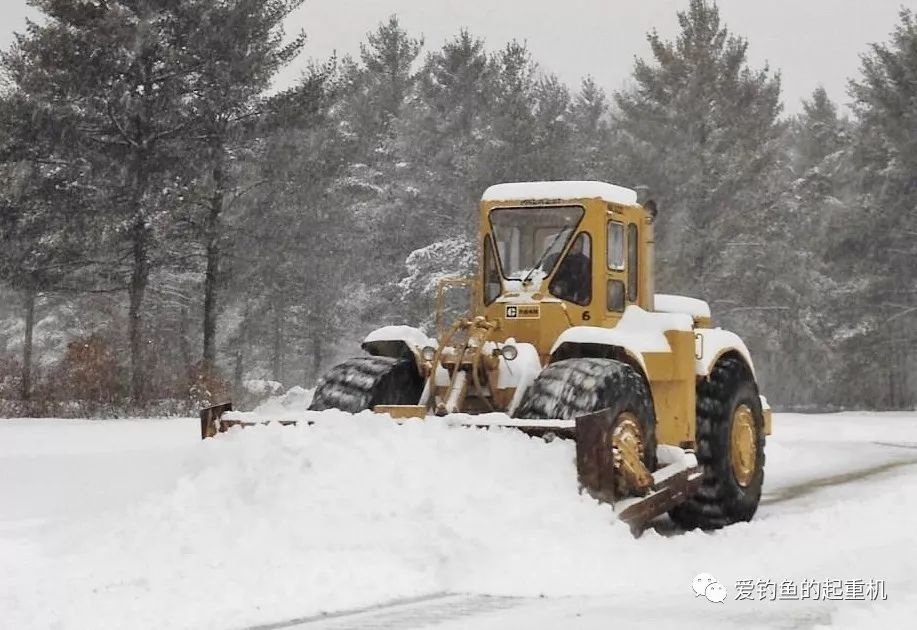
x,y
139,524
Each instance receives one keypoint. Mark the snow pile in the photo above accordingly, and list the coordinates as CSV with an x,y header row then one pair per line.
x,y
276,522
262,387
271,523
290,406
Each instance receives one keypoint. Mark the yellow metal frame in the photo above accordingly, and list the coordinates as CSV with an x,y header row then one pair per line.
x,y
473,373
671,375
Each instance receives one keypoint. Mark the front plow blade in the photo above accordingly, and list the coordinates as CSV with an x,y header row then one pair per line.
x,y
402,412
213,422
677,479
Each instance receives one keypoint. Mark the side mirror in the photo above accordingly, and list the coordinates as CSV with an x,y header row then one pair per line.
x,y
645,199
650,206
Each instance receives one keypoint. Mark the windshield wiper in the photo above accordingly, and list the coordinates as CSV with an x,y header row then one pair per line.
x,y
547,250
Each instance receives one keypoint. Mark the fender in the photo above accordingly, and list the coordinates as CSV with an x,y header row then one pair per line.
x,y
699,310
400,342
712,343
596,336
637,332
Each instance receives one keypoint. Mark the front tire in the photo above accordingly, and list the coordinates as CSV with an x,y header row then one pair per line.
x,y
575,387
730,449
362,383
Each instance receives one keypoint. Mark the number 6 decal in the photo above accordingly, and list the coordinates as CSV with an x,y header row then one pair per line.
x,y
586,316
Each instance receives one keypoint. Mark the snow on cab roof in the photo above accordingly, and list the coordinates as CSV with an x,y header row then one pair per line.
x,y
561,190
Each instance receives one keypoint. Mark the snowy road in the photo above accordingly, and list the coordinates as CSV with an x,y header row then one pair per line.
x,y
137,524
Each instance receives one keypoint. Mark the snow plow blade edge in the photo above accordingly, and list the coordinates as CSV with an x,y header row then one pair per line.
x,y
402,412
213,423
673,483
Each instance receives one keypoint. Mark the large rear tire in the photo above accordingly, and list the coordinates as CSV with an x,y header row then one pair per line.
x,y
575,387
363,382
730,449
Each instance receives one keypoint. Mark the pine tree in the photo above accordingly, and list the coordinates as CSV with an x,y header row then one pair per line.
x,y
441,138
509,143
232,74
385,79
121,68
700,128
553,151
44,223
296,236
820,131
592,134
377,95
881,251
444,134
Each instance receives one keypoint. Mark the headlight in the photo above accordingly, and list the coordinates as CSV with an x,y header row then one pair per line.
x,y
509,352
428,353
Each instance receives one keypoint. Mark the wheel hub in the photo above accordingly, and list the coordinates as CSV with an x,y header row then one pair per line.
x,y
627,455
743,449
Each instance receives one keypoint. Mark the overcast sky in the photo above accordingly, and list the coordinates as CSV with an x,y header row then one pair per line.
x,y
811,42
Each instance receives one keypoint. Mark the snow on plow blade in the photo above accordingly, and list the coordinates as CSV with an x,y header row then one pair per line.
x,y
676,480
213,422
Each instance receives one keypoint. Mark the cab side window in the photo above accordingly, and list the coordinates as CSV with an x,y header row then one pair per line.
x,y
573,279
492,286
615,245
615,295
632,262
616,257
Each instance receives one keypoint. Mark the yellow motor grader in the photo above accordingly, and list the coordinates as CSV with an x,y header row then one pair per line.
x,y
568,339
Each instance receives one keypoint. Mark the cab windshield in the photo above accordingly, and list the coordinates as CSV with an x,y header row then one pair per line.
x,y
530,240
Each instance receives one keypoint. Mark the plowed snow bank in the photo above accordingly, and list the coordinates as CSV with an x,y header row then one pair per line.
x,y
272,523
352,510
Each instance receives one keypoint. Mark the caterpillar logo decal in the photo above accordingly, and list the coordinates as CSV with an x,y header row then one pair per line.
x,y
524,311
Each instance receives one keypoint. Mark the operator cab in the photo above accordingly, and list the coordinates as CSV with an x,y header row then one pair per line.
x,y
562,254
582,240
